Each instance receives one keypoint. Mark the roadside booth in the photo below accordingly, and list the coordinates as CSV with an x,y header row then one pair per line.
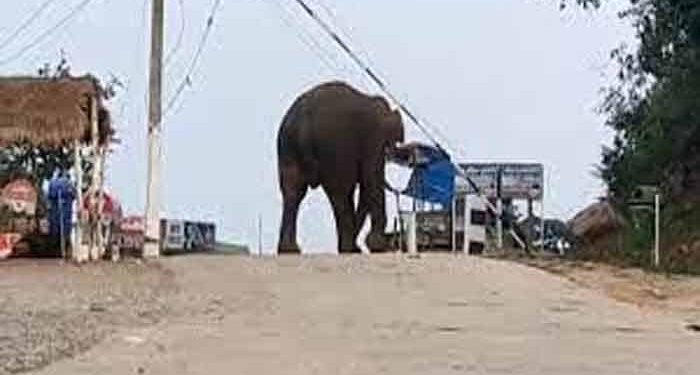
x,y
67,112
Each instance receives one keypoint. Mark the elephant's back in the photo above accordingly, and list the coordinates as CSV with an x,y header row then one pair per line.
x,y
328,118
287,134
336,95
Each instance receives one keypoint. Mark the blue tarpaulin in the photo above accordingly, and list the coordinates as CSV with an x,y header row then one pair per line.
x,y
433,177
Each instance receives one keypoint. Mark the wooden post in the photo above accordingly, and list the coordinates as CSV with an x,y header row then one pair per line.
x,y
101,239
411,240
151,246
544,227
260,241
657,230
78,250
499,209
94,208
466,224
453,221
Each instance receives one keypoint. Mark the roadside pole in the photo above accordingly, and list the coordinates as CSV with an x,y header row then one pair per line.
x,y
657,230
151,247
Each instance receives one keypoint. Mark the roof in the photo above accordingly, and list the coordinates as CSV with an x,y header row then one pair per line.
x,y
413,154
50,111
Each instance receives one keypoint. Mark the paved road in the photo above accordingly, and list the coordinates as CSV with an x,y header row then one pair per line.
x,y
389,315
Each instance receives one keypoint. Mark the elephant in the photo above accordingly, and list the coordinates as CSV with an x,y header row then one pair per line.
x,y
336,137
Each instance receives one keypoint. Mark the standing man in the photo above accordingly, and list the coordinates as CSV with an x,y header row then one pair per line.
x,y
61,196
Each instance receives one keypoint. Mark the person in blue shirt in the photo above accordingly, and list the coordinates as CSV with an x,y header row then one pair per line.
x,y
61,196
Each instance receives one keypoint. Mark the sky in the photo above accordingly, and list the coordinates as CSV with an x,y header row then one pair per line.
x,y
506,80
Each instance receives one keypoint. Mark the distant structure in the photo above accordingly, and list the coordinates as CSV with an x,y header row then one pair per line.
x,y
58,112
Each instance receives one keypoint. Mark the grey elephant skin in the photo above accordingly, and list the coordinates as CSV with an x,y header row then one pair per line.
x,y
335,137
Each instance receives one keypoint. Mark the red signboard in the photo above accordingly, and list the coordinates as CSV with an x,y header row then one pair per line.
x,y
21,196
7,243
133,224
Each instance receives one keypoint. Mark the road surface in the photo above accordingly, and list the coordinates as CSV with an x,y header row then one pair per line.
x,y
388,314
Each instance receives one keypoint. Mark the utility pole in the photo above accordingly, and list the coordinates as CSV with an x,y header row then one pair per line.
x,y
657,229
499,208
260,246
151,248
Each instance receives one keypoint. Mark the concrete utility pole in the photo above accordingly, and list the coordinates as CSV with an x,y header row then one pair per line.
x,y
151,246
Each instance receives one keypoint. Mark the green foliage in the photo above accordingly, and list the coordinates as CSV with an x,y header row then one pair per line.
x,y
654,109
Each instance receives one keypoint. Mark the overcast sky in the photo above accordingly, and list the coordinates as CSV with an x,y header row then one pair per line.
x,y
504,80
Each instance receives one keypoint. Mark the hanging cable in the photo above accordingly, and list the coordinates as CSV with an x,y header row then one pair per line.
x,y
187,79
342,26
368,71
6,41
306,38
48,32
180,35
422,126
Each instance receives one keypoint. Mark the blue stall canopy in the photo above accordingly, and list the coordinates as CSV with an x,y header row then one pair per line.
x,y
433,176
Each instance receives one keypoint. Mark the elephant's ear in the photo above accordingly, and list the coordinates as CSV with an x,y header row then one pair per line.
x,y
381,106
396,113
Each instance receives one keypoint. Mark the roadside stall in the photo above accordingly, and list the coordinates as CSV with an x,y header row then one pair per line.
x,y
67,112
431,187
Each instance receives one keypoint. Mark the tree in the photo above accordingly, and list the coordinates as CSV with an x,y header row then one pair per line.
x,y
654,109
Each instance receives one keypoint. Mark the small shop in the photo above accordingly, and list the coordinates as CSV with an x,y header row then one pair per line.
x,y
66,114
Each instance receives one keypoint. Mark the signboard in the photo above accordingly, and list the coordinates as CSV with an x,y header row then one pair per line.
x,y
128,241
7,243
173,232
200,236
130,236
132,224
20,196
518,180
643,197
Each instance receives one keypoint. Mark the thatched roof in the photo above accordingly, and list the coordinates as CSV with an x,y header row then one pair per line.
x,y
50,111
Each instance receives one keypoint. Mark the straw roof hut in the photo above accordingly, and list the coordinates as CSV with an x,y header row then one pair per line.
x,y
51,111
64,111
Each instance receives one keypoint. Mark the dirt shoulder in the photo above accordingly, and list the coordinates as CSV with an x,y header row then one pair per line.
x,y
50,310
675,295
213,312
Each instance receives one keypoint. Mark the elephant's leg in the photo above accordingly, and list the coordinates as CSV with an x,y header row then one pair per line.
x,y
294,189
373,184
309,158
361,213
344,213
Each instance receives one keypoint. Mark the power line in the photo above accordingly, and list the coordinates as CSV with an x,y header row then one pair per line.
x,y
181,34
6,41
312,43
187,79
48,32
340,24
367,70
423,127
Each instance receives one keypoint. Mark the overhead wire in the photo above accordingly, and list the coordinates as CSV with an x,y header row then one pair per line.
x,y
313,44
422,126
335,18
187,79
33,16
180,35
367,70
77,9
